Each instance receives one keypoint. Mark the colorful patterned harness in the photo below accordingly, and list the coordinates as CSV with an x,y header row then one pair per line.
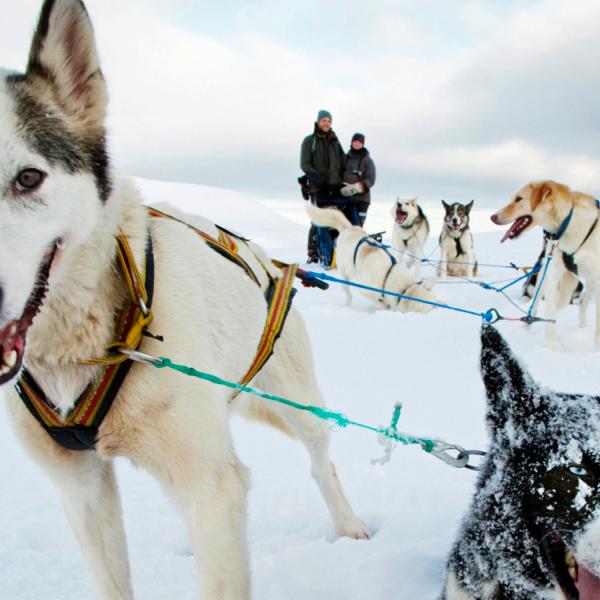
x,y
78,430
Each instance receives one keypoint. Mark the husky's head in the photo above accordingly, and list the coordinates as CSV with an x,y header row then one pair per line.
x,y
535,203
456,219
534,526
405,211
54,176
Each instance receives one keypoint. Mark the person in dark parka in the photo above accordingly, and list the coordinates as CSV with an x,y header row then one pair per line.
x,y
322,160
359,176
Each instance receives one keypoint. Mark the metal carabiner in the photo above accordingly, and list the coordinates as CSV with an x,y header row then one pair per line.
x,y
144,308
140,357
468,454
441,450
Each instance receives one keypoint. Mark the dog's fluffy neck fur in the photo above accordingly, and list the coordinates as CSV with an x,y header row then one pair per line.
x,y
86,291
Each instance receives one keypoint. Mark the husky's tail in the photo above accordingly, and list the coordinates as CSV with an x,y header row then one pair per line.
x,y
328,217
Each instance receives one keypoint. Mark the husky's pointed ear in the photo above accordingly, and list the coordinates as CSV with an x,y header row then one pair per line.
x,y
508,384
63,54
469,206
446,205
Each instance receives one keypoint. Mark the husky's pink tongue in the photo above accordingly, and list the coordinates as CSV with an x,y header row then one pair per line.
x,y
516,228
589,584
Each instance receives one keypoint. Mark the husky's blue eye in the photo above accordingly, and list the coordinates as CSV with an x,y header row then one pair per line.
x,y
29,180
578,470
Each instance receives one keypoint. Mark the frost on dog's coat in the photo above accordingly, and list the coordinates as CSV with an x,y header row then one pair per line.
x,y
371,265
533,529
60,212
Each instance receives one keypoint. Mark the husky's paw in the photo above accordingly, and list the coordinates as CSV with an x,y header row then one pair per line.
x,y
354,529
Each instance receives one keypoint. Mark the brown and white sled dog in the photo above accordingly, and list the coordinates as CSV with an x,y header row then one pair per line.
x,y
362,260
411,230
60,210
456,242
570,221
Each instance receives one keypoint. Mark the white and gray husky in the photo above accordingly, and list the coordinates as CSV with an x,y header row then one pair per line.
x,y
61,210
533,530
411,230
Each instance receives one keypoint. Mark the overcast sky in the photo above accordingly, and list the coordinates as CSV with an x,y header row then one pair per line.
x,y
458,99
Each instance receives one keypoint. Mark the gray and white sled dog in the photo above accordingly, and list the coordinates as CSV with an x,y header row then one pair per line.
x,y
410,233
362,260
533,528
456,242
61,209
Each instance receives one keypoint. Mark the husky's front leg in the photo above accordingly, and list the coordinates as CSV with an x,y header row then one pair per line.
x,y
192,455
91,501
215,510
93,507
470,264
443,269
552,300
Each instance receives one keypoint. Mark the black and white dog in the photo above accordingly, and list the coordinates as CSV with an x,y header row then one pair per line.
x,y
533,530
456,242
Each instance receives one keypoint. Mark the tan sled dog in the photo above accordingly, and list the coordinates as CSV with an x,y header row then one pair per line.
x,y
570,221
60,213
366,262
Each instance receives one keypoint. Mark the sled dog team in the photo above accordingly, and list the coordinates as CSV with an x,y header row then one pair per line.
x,y
363,260
88,268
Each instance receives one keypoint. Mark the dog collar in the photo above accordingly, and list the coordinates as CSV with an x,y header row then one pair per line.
x,y
563,226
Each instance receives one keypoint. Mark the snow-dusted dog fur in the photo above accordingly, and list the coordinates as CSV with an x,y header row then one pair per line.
x,y
547,204
533,529
57,191
411,230
372,266
456,242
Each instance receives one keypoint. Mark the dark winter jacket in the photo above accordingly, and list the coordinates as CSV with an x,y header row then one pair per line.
x,y
322,159
359,166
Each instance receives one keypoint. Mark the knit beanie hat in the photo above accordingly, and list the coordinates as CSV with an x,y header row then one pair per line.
x,y
324,114
359,137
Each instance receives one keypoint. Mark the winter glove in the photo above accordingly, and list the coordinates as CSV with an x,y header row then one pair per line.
x,y
351,189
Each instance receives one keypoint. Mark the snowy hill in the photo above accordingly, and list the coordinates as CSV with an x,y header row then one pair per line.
x,y
366,361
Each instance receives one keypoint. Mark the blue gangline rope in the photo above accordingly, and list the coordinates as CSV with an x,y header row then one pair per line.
x,y
490,316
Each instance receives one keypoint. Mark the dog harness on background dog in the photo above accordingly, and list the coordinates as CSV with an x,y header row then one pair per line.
x,y
79,429
374,244
569,259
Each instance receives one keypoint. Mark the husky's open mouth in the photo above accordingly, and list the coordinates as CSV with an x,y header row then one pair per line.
x,y
576,582
12,336
401,216
517,228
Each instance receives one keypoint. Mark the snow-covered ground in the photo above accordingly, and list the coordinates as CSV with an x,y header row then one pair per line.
x,y
366,361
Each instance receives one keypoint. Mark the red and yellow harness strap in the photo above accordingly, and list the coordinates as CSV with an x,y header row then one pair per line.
x,y
77,430
281,294
225,245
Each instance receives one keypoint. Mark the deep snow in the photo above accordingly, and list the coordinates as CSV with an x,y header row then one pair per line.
x,y
366,361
